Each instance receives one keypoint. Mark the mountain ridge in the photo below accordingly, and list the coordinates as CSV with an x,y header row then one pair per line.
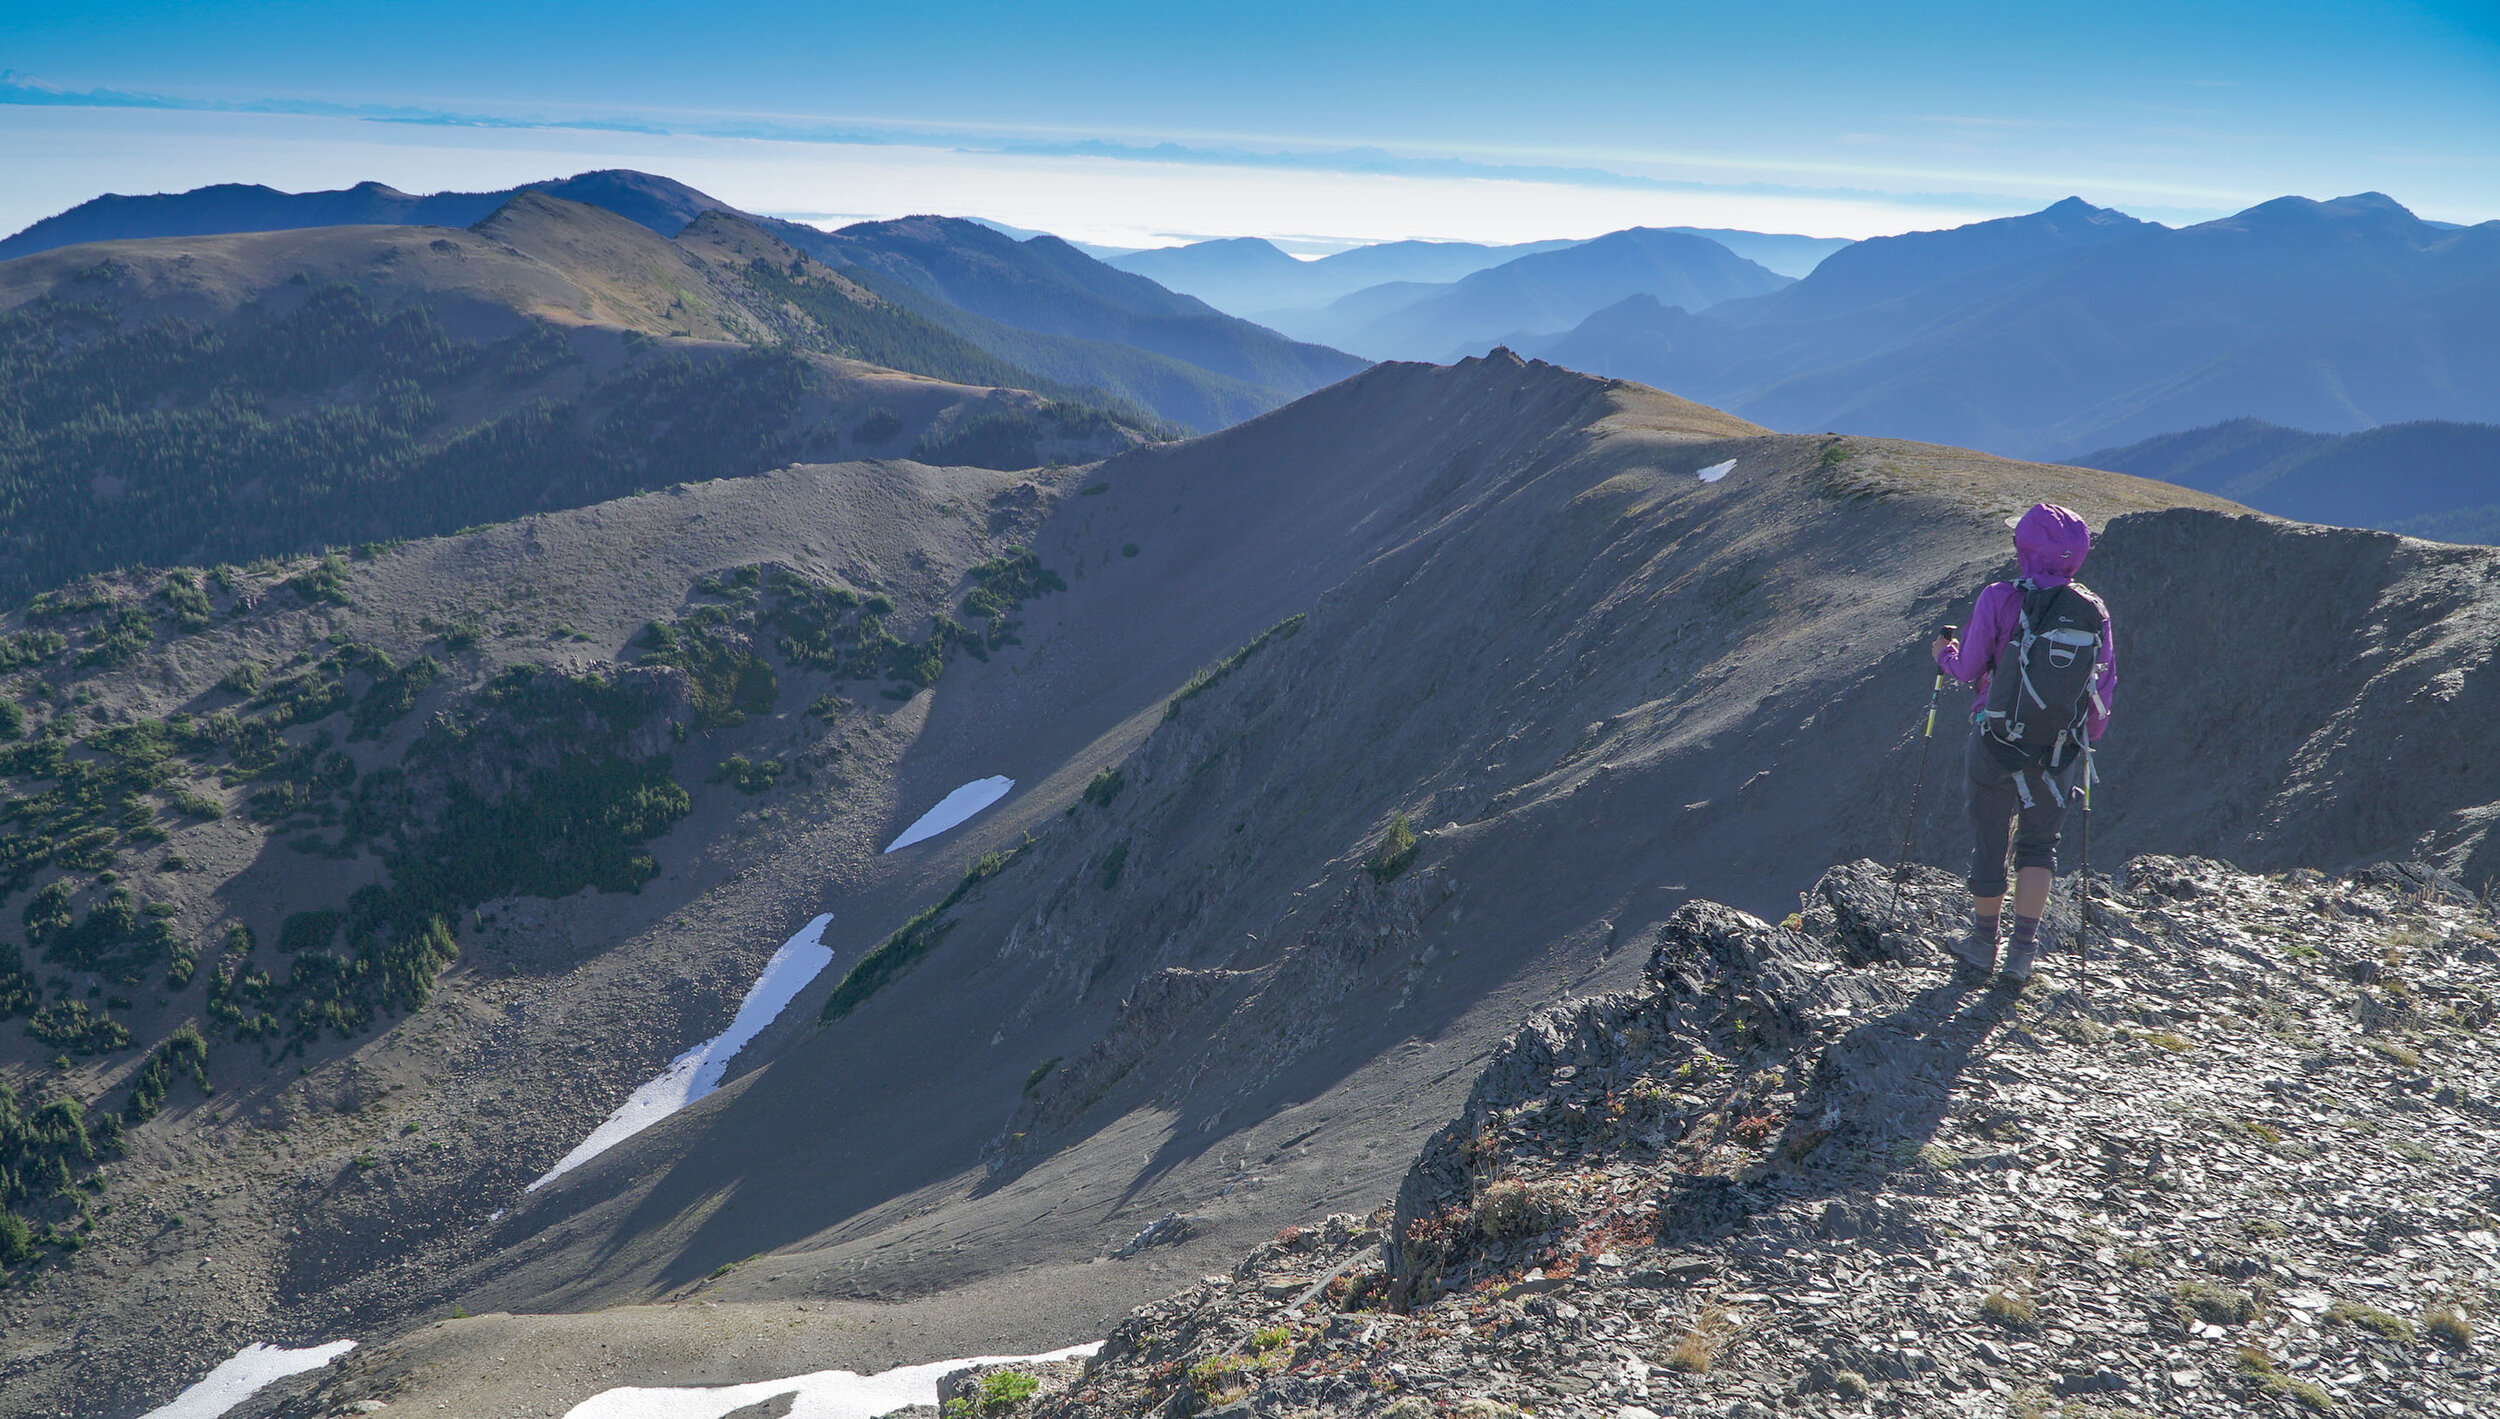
x,y
1549,290
1045,285
1200,370
1252,278
1250,275
2320,314
219,399
664,205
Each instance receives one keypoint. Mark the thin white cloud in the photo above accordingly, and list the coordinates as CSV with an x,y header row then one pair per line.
x,y
1125,187
62,156
1895,184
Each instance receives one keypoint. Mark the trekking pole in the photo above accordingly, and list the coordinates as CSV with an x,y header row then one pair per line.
x,y
1918,787
2083,920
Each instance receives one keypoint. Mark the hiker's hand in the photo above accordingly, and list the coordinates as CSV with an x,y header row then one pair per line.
x,y
1943,644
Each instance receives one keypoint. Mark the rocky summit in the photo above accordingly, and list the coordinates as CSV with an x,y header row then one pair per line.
x,y
2235,1160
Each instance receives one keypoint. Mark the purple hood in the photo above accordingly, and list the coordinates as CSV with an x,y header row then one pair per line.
x,y
2050,544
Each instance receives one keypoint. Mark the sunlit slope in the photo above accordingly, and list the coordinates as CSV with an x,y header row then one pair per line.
x,y
212,399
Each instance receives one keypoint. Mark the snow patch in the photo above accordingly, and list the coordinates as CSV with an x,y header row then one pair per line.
x,y
240,1378
954,808
826,1394
1716,471
698,1071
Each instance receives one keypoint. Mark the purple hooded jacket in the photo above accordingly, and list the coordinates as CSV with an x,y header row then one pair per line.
x,y
2050,544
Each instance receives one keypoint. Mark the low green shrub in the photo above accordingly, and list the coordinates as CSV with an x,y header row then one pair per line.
x,y
746,775
2012,1311
2448,1325
1040,1072
310,931
1214,675
1005,1389
2213,1304
45,1152
182,1053
2377,1322
2259,1367
1396,851
909,944
1104,786
70,1025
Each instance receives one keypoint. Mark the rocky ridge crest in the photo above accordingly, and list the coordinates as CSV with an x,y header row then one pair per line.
x,y
2236,1166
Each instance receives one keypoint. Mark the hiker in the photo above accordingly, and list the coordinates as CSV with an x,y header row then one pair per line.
x,y
2041,652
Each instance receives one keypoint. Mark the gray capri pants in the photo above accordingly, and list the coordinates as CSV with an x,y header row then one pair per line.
x,y
2000,778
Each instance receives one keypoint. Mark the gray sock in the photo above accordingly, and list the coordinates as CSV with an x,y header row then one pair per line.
x,y
2026,931
1984,927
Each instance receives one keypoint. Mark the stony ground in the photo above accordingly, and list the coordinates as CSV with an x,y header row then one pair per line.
x,y
2241,1166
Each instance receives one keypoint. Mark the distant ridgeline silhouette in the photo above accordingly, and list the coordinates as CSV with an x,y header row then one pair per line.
x,y
2077,328
1039,305
2430,479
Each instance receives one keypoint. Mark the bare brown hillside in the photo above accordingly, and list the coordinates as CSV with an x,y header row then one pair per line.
x,y
197,400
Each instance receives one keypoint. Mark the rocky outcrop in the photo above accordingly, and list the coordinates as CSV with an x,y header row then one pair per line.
x,y
2236,1166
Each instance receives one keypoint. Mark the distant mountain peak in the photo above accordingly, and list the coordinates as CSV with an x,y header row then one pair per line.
x,y
530,208
2371,201
2375,208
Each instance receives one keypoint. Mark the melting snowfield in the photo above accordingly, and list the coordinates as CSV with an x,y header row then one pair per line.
x,y
241,1377
954,808
698,1071
1716,471
826,1394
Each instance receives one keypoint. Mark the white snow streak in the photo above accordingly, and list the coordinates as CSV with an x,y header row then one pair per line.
x,y
826,1394
954,808
1716,471
698,1071
241,1377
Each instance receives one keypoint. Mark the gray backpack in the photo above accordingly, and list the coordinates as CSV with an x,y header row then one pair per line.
x,y
2047,671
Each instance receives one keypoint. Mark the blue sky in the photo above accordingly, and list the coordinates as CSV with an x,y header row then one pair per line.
x,y
1138,123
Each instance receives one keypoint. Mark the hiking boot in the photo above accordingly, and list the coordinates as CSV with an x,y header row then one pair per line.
x,y
2019,959
1975,951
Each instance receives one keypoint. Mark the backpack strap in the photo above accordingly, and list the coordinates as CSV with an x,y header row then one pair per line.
x,y
2092,692
2022,652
